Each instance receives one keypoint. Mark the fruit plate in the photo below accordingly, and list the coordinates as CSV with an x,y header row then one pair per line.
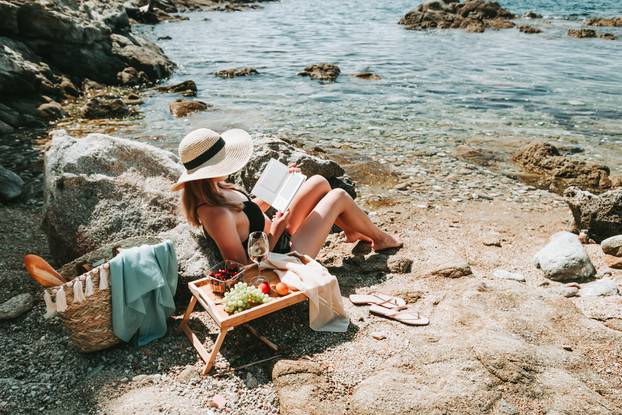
x,y
220,285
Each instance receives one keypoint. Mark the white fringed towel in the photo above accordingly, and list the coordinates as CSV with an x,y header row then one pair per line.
x,y
78,293
61,300
50,307
104,275
88,286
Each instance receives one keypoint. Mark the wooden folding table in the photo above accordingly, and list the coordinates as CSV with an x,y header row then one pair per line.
x,y
212,303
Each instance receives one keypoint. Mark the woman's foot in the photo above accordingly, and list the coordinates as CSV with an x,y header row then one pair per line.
x,y
386,242
356,236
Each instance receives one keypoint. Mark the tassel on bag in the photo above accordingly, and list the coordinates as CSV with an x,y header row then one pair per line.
x,y
78,293
89,290
104,273
61,300
50,307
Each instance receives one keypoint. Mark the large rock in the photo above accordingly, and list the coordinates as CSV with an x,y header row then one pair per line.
x,y
11,185
612,246
102,189
556,172
472,15
563,258
185,107
187,88
600,215
41,41
321,71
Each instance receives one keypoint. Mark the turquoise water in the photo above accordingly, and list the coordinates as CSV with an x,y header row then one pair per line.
x,y
438,88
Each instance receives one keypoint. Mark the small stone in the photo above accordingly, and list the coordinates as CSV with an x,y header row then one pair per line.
x,y
100,107
604,287
612,245
187,375
236,72
528,29
321,72
491,240
217,401
567,347
16,306
566,291
11,185
187,88
368,76
506,275
454,269
378,335
251,381
399,265
184,107
613,261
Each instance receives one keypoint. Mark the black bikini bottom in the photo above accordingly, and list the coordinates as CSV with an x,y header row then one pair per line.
x,y
283,245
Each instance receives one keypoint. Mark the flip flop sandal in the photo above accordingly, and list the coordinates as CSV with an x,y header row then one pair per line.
x,y
380,299
412,318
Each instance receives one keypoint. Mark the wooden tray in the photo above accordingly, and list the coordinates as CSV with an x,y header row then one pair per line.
x,y
212,303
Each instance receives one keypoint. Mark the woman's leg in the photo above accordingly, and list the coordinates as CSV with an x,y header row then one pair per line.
x,y
309,195
337,204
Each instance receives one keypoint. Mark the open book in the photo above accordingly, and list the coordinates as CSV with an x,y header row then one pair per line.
x,y
277,185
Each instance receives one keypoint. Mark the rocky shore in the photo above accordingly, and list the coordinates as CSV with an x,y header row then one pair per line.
x,y
520,274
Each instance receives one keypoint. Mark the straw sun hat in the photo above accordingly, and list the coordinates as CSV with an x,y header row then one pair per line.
x,y
206,154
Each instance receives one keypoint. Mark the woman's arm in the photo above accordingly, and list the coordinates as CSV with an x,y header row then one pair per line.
x,y
277,227
263,205
219,223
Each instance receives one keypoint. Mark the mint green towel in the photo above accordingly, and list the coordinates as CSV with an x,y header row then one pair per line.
x,y
144,280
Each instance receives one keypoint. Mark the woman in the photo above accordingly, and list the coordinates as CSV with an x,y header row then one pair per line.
x,y
228,215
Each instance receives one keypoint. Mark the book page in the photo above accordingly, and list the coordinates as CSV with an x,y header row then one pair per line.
x,y
277,186
288,191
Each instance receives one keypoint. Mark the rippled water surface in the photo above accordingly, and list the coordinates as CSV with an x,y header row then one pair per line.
x,y
438,88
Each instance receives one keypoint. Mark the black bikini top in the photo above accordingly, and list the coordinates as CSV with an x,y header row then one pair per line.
x,y
256,219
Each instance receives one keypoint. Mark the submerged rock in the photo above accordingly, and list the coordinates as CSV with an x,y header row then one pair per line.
x,y
186,88
612,245
16,306
185,107
321,71
604,21
532,15
600,215
525,28
235,72
556,172
368,76
563,259
472,15
11,185
589,33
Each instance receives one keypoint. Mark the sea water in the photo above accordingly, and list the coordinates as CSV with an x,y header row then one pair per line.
x,y
439,88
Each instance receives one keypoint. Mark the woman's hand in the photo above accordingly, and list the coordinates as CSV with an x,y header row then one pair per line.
x,y
278,226
293,168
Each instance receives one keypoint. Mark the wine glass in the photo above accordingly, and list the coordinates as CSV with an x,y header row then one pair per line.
x,y
258,248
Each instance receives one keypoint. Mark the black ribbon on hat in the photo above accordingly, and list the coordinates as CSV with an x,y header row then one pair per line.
x,y
206,155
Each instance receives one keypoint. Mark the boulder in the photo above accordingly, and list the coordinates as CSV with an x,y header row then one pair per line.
x,y
11,185
614,262
235,72
604,21
612,245
532,15
600,215
604,287
186,88
114,189
105,107
321,71
590,33
16,306
563,258
472,15
525,28
556,172
51,111
185,107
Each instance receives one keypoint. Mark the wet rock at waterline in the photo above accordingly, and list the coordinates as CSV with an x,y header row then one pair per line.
x,y
11,185
185,107
589,33
321,71
600,215
525,28
612,245
555,172
532,15
16,306
132,77
105,107
604,21
368,76
186,88
236,72
563,258
472,15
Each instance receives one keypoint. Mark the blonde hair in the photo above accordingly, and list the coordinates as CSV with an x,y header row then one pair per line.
x,y
205,192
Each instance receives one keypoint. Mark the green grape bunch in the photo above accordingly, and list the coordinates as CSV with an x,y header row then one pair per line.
x,y
242,297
